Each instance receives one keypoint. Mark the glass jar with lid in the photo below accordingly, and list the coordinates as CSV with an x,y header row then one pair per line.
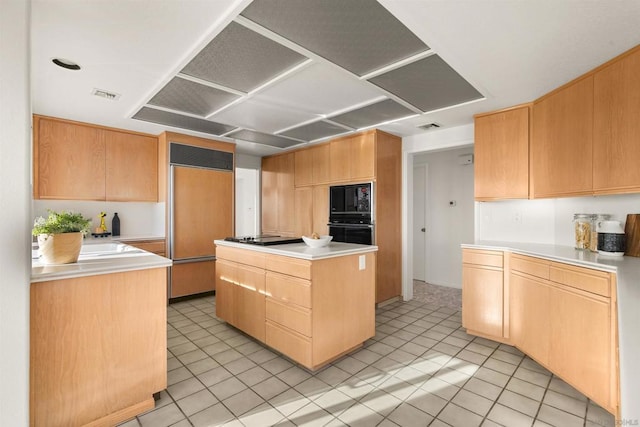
x,y
582,230
593,242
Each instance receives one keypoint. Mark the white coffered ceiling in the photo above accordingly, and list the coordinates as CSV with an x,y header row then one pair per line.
x,y
272,74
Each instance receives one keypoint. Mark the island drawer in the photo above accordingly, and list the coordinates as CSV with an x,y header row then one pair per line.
x,y
290,266
290,316
289,289
586,279
255,259
529,265
482,257
289,343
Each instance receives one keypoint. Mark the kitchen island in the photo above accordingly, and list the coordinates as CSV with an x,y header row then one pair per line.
x,y
97,336
311,304
597,279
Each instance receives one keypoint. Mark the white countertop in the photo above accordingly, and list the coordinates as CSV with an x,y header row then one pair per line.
x,y
302,251
130,237
627,271
98,256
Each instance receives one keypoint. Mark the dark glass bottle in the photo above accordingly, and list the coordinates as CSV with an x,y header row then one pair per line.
x,y
115,225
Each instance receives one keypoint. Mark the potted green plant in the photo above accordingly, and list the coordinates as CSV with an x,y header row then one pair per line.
x,y
60,236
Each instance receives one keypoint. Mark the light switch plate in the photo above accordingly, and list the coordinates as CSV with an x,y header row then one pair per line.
x,y
362,264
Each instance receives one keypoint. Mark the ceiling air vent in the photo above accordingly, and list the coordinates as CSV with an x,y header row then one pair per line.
x,y
105,94
429,126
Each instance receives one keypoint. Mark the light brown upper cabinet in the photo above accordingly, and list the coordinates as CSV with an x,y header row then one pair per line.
x,y
583,138
616,127
278,194
78,161
352,158
502,154
269,194
562,141
312,165
69,161
303,167
131,167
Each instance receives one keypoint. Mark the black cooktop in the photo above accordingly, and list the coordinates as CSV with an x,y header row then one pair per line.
x,y
264,240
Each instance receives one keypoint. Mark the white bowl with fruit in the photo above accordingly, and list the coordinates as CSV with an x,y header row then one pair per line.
x,y
316,240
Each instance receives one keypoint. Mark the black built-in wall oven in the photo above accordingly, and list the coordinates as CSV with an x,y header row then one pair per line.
x,y
351,213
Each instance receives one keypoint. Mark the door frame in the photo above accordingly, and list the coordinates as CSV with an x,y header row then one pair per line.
x,y
437,140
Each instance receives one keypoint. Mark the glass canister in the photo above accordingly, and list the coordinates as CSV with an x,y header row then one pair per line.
x,y
582,230
593,241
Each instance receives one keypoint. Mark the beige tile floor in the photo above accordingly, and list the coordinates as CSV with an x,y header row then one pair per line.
x,y
421,369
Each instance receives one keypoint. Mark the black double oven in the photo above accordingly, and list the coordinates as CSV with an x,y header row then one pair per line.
x,y
351,213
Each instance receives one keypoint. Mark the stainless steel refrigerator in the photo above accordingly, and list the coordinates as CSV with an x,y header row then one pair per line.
x,y
201,209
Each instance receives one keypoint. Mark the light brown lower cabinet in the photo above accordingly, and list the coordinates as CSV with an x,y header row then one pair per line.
x,y
311,311
98,347
483,294
156,246
565,318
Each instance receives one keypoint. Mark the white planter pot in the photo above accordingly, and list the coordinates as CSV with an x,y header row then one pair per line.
x,y
63,248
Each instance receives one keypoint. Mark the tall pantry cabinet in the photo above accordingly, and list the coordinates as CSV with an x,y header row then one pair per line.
x,y
295,194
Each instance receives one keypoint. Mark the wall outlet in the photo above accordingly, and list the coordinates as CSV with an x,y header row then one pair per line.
x,y
362,263
517,217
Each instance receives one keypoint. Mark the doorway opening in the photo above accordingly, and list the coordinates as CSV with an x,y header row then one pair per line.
x,y
247,213
443,206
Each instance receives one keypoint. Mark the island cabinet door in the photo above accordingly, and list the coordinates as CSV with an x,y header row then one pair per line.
x,y
249,300
225,291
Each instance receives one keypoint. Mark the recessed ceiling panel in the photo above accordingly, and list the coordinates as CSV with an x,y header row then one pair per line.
x,y
254,113
373,114
184,122
241,59
359,35
428,84
315,130
319,89
190,97
263,138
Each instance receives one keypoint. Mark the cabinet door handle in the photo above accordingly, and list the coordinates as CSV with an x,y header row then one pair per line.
x,y
423,229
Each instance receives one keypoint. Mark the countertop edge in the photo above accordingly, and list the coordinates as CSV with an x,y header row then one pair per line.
x,y
627,270
308,255
144,261
609,264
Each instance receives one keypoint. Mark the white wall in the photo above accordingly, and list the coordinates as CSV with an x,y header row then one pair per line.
x,y
15,207
248,161
447,226
546,220
137,219
247,197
